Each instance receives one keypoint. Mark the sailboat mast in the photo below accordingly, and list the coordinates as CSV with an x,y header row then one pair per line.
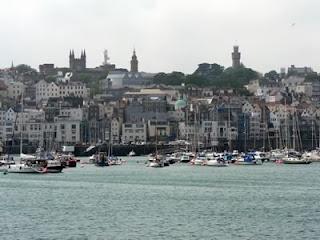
x,y
312,126
229,130
294,132
21,124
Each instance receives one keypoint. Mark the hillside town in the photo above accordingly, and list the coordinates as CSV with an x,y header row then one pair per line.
x,y
56,106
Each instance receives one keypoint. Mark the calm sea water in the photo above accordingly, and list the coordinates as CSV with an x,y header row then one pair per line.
x,y
177,202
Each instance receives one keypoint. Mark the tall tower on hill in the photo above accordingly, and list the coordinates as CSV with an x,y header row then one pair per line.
x,y
134,63
236,55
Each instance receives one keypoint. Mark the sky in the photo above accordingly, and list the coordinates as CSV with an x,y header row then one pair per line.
x,y
168,35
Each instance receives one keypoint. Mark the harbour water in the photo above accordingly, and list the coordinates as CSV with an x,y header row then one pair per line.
x,y
177,202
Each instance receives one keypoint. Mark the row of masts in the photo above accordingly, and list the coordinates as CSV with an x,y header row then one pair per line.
x,y
286,136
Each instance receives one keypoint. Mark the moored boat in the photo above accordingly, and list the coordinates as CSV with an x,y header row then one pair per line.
x,y
29,166
295,160
248,160
132,153
54,166
217,163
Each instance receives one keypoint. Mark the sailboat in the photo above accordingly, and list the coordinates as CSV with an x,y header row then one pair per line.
x,y
292,156
28,163
156,160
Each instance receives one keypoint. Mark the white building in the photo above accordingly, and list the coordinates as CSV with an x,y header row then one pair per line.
x,y
76,89
116,125
7,119
29,123
134,132
15,89
209,133
67,131
45,90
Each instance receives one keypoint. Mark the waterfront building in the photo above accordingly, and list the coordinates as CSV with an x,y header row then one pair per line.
x,y
158,130
67,131
134,133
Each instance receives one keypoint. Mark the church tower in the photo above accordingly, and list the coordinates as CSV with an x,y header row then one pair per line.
x,y
71,59
236,55
77,64
134,63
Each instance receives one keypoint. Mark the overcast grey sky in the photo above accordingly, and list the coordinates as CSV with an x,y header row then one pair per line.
x,y
167,34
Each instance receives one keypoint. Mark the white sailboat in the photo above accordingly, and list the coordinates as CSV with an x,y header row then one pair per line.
x,y
28,163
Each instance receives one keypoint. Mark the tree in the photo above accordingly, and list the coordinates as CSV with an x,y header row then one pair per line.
x,y
272,76
174,78
196,80
23,68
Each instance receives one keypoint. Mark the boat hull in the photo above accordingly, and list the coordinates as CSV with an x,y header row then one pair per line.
x,y
216,164
25,169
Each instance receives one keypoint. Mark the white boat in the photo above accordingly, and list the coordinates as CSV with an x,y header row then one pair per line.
x,y
295,160
312,156
132,153
248,160
5,162
54,166
28,166
185,158
93,158
199,160
156,162
173,158
216,163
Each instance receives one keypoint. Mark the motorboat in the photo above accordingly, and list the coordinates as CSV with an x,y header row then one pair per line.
x,y
54,166
199,160
220,162
312,156
157,161
101,160
248,159
173,158
132,153
67,160
295,160
113,160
